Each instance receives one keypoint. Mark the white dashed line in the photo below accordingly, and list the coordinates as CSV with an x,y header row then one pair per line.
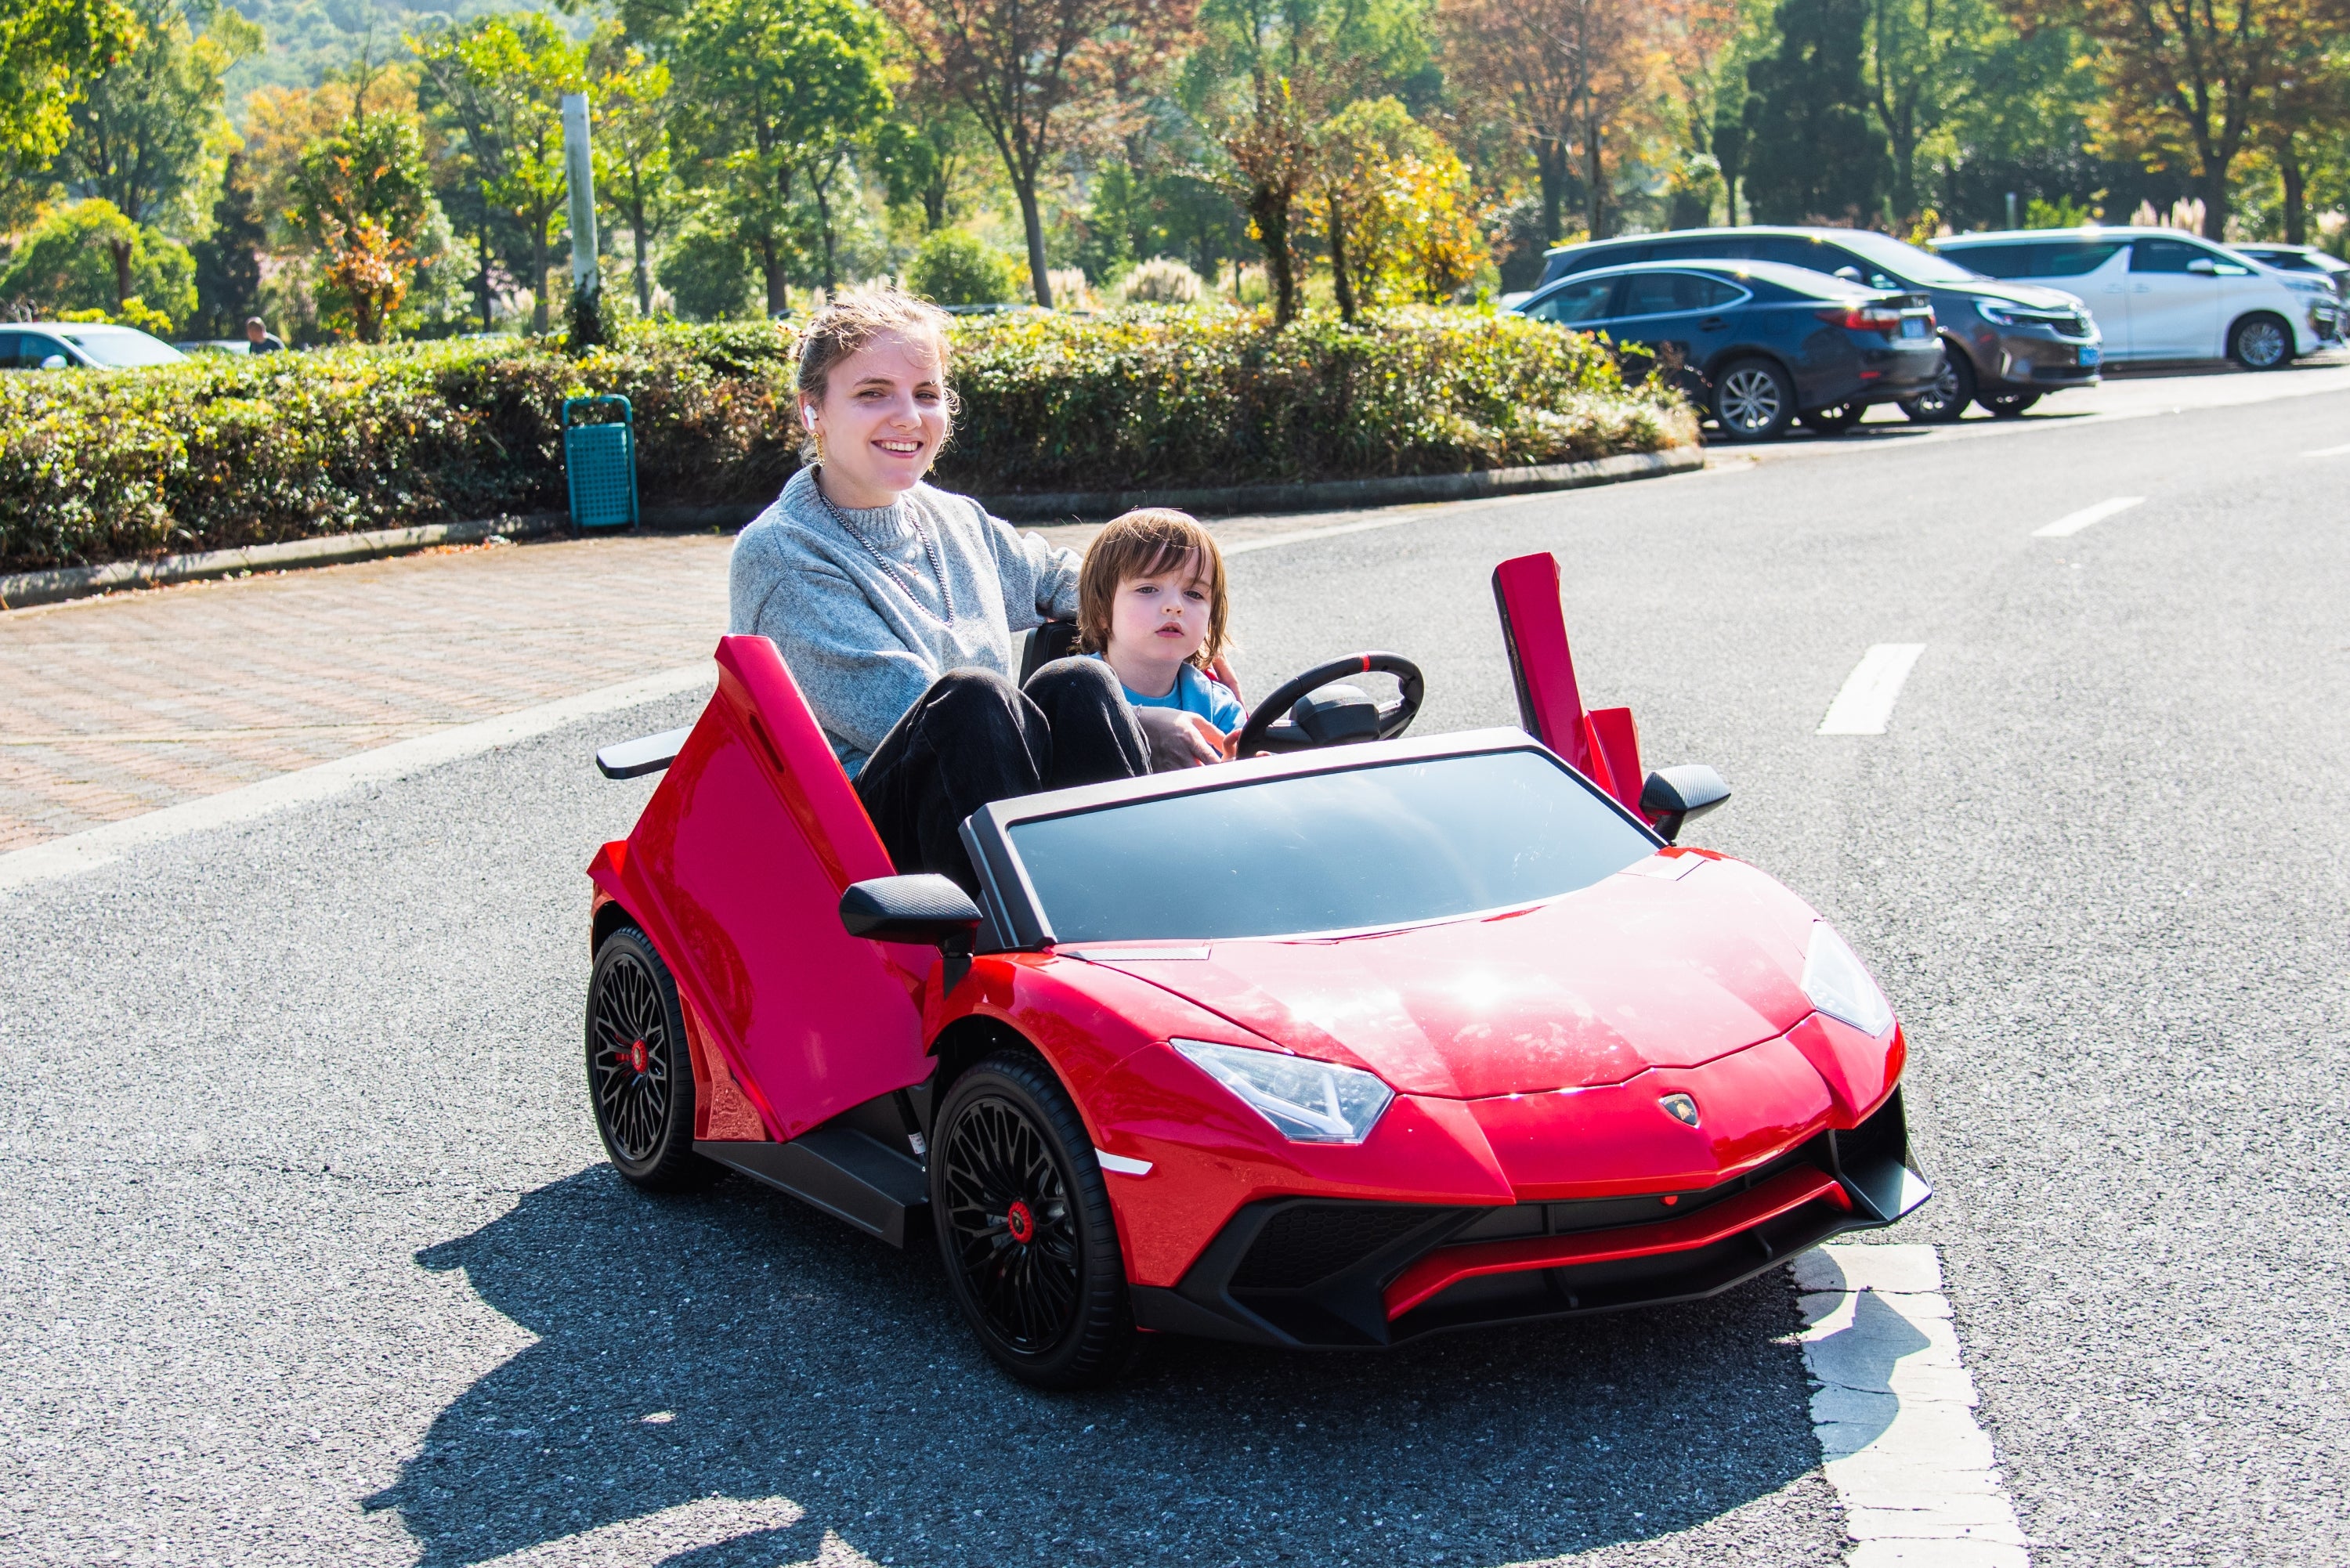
x,y
2329,452
1894,1412
2071,523
1872,689
96,846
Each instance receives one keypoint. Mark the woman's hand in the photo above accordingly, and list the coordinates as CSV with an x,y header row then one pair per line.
x,y
1220,667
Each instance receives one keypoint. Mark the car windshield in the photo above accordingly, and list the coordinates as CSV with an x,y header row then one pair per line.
x,y
1908,261
123,347
1363,847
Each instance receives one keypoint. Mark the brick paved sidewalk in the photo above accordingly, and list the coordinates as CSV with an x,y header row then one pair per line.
x,y
117,706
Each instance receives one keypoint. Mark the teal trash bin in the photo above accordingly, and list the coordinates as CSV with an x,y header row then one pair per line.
x,y
599,462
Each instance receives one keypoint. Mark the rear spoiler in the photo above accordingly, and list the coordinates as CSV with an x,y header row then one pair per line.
x,y
646,754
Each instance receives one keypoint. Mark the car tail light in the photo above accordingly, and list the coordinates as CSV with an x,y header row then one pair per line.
x,y
1863,318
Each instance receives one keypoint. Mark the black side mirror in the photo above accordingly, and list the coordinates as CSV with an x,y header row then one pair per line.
x,y
1673,796
924,909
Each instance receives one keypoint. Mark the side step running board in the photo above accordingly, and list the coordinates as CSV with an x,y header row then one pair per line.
x,y
846,1173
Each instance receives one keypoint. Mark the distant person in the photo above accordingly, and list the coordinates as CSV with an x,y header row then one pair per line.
x,y
263,340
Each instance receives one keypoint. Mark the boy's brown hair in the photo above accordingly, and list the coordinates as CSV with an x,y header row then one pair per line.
x,y
855,318
1143,544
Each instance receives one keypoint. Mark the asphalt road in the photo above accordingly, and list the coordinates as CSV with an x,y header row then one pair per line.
x,y
306,1255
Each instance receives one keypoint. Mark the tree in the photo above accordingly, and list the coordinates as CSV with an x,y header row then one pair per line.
x,y
1354,192
1811,153
228,260
500,81
2192,82
48,52
955,266
1020,64
1561,74
774,92
139,134
365,196
1274,151
632,104
68,263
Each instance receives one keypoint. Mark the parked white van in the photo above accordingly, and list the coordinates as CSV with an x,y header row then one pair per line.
x,y
2163,295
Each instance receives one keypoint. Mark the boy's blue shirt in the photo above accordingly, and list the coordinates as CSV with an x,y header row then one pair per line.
x,y
1194,693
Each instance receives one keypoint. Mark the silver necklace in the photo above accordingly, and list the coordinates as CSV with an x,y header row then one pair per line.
x,y
896,572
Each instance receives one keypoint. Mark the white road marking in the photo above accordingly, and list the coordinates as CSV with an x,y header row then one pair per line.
x,y
2329,452
1300,535
96,846
1872,689
1894,1413
2071,523
670,1533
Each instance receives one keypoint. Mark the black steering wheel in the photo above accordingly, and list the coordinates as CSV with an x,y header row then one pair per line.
x,y
1293,718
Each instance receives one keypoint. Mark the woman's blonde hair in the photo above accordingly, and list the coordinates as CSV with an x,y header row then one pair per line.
x,y
855,317
1143,544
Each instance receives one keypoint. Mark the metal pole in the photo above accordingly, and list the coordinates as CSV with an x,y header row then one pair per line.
x,y
2010,202
579,173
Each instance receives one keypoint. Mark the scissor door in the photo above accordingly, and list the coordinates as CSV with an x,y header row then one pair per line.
x,y
744,852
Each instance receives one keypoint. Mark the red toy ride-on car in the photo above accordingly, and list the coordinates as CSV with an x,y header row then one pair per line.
x,y
1415,1036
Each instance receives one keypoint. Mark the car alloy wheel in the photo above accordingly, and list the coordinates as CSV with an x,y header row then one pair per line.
x,y
640,1069
1752,401
1024,1226
2261,343
1947,398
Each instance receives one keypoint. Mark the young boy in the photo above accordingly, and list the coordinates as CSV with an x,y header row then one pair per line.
x,y
1151,604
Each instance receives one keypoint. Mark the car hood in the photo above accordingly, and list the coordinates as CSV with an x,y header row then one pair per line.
x,y
2039,296
1681,959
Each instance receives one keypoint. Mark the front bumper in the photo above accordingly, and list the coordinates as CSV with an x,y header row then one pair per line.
x,y
1335,1273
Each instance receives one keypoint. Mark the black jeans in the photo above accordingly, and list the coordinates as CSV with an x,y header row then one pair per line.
x,y
972,738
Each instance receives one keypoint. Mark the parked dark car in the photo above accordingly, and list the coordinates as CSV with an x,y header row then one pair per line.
x,y
2008,343
1757,344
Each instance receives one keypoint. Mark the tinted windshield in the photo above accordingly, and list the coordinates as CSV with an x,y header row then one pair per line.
x,y
1323,852
1908,260
123,347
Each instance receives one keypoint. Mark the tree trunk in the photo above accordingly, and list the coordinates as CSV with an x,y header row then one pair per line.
x,y
1034,224
540,266
120,250
643,271
771,275
1550,172
1595,195
1269,210
482,242
1730,198
1342,285
2296,204
2215,203
824,228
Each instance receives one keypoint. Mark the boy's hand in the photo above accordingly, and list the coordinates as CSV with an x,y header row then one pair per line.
x,y
1179,739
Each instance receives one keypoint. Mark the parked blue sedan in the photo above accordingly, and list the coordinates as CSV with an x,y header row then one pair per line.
x,y
1757,344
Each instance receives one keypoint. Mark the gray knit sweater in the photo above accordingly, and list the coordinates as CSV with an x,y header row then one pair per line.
x,y
865,630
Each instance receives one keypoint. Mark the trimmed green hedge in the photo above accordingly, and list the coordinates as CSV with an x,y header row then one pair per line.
x,y
98,466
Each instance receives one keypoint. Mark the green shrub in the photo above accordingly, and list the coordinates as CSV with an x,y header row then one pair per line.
x,y
68,264
228,450
955,266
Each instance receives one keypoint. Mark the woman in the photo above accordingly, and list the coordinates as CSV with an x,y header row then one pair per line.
x,y
895,604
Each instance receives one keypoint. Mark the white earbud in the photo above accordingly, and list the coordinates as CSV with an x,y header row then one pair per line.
x,y
807,416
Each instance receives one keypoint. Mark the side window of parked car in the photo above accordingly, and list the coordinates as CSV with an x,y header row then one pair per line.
x,y
2072,258
1575,303
1995,261
2164,256
1672,293
8,350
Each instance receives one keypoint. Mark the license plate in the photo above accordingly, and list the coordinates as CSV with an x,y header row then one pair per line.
x,y
2092,357
1913,326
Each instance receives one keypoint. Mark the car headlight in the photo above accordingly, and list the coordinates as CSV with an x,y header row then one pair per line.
x,y
1307,1101
1838,984
2018,315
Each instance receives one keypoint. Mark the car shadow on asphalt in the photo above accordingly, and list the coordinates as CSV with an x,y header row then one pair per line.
x,y
736,1345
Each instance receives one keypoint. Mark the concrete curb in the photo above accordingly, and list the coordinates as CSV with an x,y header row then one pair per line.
x,y
26,589
1348,494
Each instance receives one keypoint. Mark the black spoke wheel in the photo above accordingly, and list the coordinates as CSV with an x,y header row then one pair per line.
x,y
640,1067
1024,1226
1952,390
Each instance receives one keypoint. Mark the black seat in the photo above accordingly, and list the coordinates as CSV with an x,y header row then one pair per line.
x,y
1054,639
